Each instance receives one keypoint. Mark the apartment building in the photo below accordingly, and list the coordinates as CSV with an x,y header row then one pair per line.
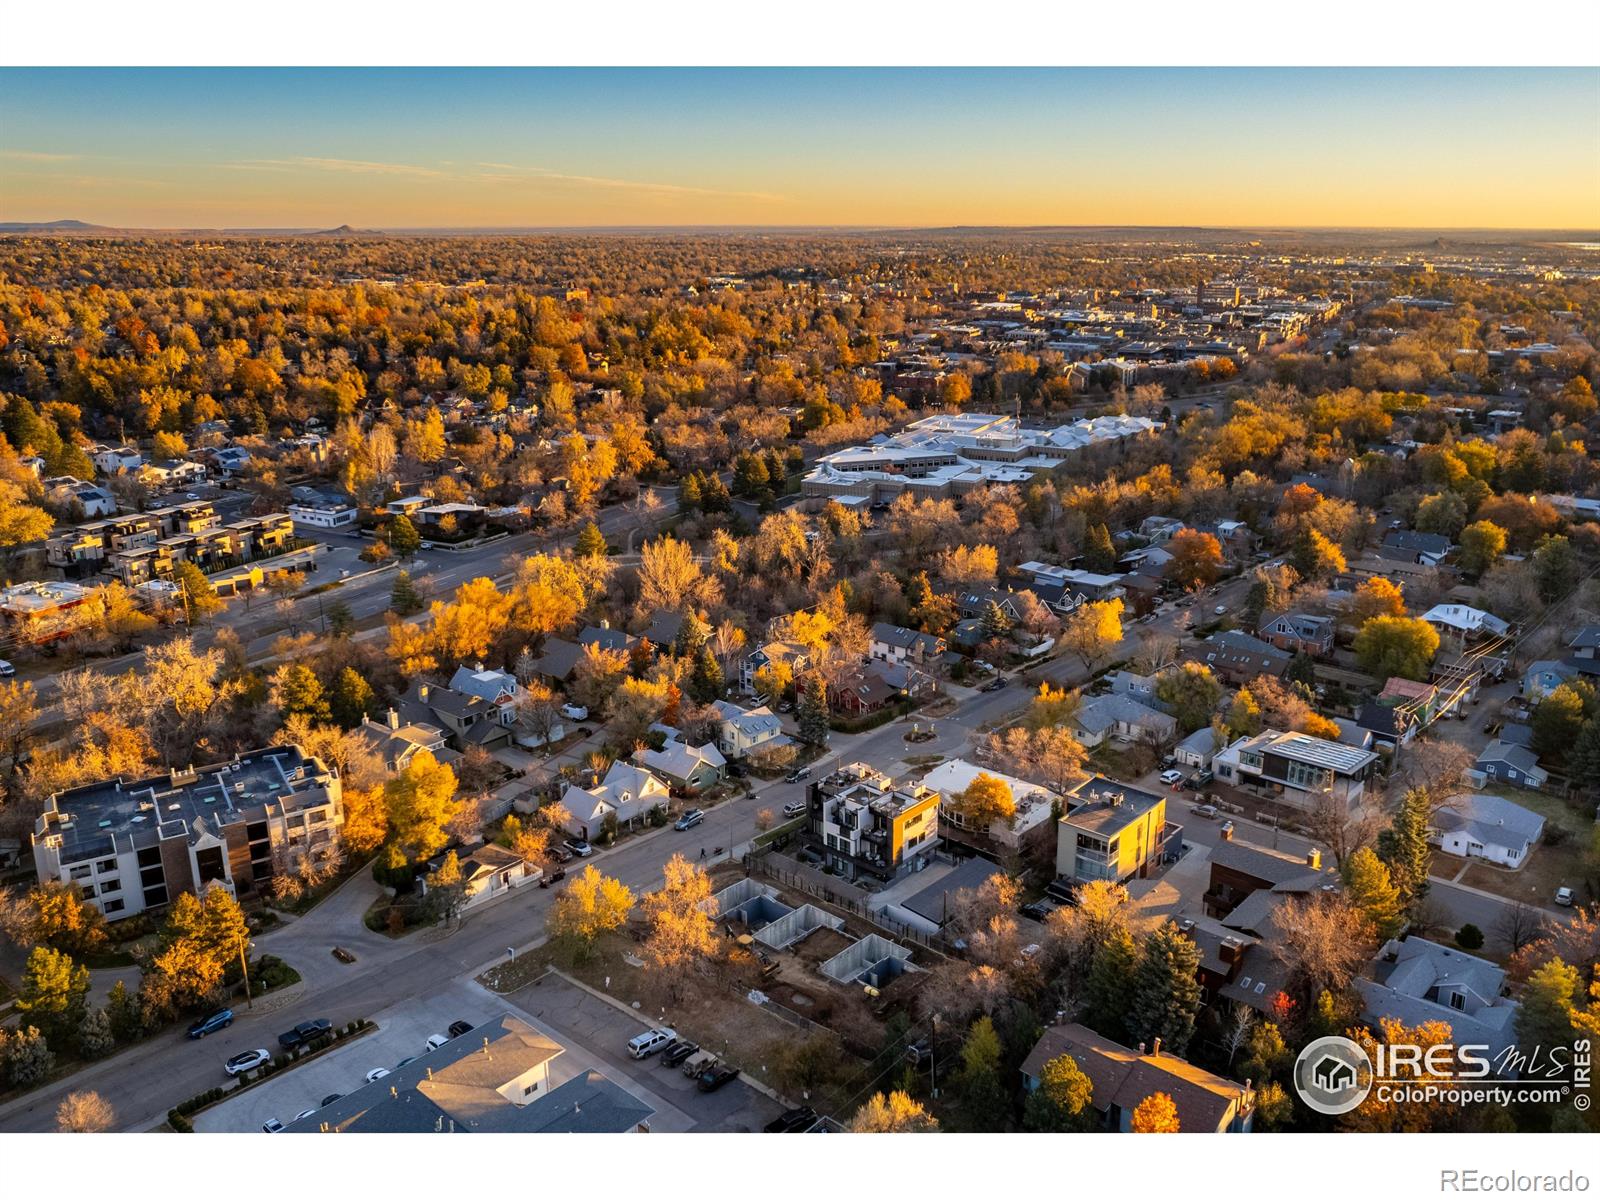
x,y
133,845
863,824
149,545
1112,831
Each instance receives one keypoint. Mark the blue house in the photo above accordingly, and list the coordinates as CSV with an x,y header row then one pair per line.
x,y
1512,764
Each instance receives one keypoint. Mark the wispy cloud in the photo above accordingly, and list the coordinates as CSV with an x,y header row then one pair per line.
x,y
510,172
37,156
351,165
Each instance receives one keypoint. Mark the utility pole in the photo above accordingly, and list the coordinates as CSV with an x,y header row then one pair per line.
x,y
244,966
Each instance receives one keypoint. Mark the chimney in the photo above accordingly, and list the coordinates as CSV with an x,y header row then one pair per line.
x,y
1314,859
394,719
422,692
1155,1050
1141,1049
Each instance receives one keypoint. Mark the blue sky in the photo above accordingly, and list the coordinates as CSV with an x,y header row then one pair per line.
x,y
450,147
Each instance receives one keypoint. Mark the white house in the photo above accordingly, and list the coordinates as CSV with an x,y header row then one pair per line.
x,y
1034,804
627,793
1196,749
492,873
319,510
108,460
1491,827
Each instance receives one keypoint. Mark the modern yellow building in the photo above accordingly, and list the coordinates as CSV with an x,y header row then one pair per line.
x,y
1112,831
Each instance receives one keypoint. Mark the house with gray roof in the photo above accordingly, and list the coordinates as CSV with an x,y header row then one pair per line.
x,y
743,730
1196,749
1516,765
684,767
557,660
1545,676
1297,769
502,1077
1415,981
626,794
1491,827
1238,658
1122,717
897,644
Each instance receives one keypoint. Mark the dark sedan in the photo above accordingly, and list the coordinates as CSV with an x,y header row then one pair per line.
x,y
306,1031
715,1076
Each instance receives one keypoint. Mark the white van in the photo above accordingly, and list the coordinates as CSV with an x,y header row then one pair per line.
x,y
649,1042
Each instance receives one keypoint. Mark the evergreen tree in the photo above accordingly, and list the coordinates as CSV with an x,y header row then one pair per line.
x,y
591,542
1302,669
341,621
995,622
1404,846
706,682
54,992
777,472
94,1035
1166,990
1583,761
300,691
692,635
750,475
982,1095
195,593
811,711
1099,554
403,597
123,1011
1545,1015
1110,983
1369,887
403,537
28,1058
1062,1103
689,493
714,494
353,699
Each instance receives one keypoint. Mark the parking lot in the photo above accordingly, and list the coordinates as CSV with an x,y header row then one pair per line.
x,y
593,1033
577,1018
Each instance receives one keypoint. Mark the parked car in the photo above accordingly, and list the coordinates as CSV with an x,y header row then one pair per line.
x,y
715,1076
794,808
994,685
797,775
304,1032
689,820
1220,609
191,495
554,875
1171,777
330,1098
675,1055
6,669
1208,811
376,1074
559,854
1037,910
220,1019
697,1062
272,1125
1062,891
795,1120
650,1041
343,955
437,1040
579,847
574,712
302,1115
407,1061
457,1028
1564,897
248,1061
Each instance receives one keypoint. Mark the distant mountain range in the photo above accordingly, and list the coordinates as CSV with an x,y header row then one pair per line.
x,y
52,227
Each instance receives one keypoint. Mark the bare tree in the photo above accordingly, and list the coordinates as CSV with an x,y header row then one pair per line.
x,y
1520,923
1343,832
1241,1019
1435,764
1323,941
85,1112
